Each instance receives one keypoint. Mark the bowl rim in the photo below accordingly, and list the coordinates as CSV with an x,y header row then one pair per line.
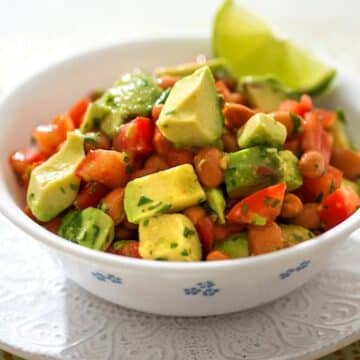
x,y
30,227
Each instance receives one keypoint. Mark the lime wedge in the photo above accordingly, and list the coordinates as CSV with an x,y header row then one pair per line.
x,y
250,47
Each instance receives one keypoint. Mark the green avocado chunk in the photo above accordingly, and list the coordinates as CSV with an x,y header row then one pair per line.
x,y
165,191
90,227
290,170
169,237
215,199
295,234
191,115
235,246
346,183
252,169
264,93
262,129
133,95
215,65
53,185
338,131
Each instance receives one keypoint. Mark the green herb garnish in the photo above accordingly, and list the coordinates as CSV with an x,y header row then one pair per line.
x,y
144,200
188,232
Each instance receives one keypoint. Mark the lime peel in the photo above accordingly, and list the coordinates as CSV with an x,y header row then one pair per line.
x,y
250,47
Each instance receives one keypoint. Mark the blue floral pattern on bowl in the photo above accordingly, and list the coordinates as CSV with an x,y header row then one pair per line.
x,y
206,288
107,277
303,265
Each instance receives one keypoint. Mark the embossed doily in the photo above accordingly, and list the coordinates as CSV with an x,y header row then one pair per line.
x,y
44,316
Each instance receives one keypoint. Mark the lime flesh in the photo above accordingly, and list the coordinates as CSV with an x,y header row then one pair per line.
x,y
251,49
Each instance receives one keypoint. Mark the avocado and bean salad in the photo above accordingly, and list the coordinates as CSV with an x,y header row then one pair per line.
x,y
190,165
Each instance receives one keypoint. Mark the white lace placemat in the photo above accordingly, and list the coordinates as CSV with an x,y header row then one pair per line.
x,y
43,316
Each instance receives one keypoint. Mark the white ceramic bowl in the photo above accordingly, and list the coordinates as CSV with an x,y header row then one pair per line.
x,y
185,289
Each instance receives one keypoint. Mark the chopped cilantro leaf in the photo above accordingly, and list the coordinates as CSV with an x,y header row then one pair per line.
x,y
162,258
275,203
244,208
296,122
258,220
144,200
341,115
74,187
268,201
319,197
188,232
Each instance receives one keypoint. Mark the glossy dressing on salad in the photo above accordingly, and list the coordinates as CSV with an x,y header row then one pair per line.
x,y
190,165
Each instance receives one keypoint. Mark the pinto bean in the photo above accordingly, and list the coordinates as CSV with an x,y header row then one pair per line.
x,y
292,206
312,164
309,217
208,167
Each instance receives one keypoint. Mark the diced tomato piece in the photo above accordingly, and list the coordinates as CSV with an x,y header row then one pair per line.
x,y
49,137
90,195
78,110
161,145
53,225
311,135
326,146
297,107
21,159
306,104
338,206
222,88
113,204
325,117
25,176
318,188
314,137
130,249
260,207
216,255
135,137
107,167
28,212
205,229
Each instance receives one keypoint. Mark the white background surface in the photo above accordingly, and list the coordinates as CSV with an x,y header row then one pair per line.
x,y
34,32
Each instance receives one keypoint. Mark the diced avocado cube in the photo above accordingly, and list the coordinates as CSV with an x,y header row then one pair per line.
x,y
93,117
290,170
352,184
216,201
53,185
295,234
186,69
338,131
235,246
165,191
133,95
191,115
90,227
252,169
261,129
264,93
169,237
